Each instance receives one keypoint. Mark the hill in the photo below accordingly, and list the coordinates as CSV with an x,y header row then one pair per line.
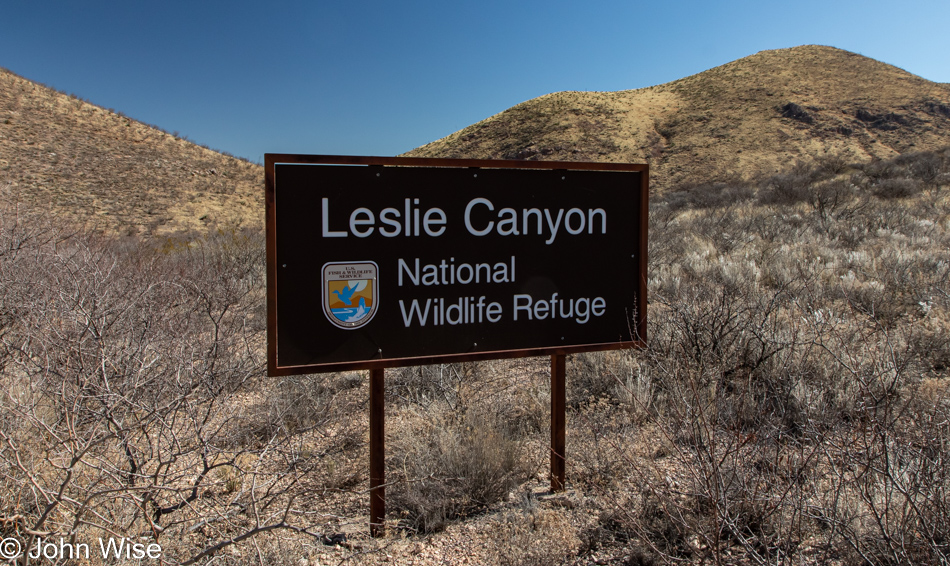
x,y
744,119
750,117
98,167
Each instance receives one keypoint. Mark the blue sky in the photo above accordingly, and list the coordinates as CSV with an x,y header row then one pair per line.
x,y
381,78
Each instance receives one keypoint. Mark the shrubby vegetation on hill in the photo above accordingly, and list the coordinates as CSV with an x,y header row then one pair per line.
x,y
792,405
796,383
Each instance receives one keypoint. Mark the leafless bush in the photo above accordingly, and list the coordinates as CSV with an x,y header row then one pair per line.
x,y
835,163
882,169
593,376
125,374
613,377
832,199
791,187
291,405
710,195
900,187
927,168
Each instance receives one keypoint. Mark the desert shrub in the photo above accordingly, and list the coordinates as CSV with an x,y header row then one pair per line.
x,y
292,405
748,453
832,198
897,187
725,333
613,378
452,466
927,168
835,163
592,376
931,347
710,195
790,187
887,501
882,169
601,439
719,343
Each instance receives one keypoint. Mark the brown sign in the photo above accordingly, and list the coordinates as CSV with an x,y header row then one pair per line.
x,y
381,262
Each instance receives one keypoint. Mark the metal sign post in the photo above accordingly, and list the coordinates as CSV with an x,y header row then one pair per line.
x,y
558,422
377,451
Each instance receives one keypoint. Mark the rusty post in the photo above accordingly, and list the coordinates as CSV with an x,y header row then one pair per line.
x,y
558,419
377,452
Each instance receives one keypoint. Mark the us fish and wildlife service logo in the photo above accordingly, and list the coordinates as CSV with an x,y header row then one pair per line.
x,y
349,293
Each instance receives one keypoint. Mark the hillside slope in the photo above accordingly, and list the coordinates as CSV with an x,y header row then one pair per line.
x,y
102,169
743,119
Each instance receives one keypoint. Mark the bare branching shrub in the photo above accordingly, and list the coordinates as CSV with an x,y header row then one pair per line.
x,y
293,405
710,196
125,374
613,377
927,168
831,199
835,163
791,187
900,187
594,376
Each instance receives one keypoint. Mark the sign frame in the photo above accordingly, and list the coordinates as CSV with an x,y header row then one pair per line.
x,y
638,330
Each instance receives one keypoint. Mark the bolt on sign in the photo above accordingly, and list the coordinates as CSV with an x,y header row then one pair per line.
x,y
381,262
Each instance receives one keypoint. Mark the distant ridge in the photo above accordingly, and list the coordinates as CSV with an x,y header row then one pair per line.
x,y
743,119
101,169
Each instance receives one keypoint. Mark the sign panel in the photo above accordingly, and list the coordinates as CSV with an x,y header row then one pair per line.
x,y
380,262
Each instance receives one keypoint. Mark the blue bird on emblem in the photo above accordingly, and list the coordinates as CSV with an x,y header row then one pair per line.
x,y
347,295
